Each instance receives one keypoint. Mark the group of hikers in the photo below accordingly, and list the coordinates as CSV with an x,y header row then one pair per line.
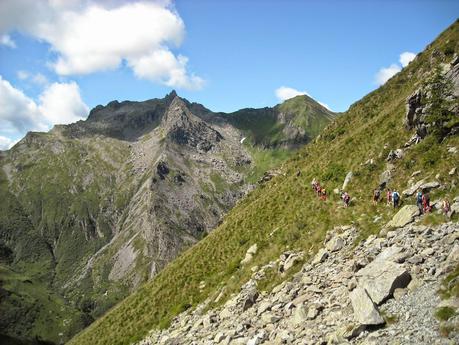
x,y
392,198
322,193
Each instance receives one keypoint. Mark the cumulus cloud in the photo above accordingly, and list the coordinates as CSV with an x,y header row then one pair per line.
x,y
406,58
17,111
283,93
6,143
90,37
60,103
37,78
384,74
7,41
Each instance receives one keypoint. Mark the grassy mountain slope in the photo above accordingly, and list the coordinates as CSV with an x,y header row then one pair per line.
x,y
91,210
284,213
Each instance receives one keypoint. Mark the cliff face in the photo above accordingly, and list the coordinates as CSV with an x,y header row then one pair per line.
x,y
92,209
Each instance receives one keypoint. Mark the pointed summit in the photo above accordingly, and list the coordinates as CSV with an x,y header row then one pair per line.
x,y
170,96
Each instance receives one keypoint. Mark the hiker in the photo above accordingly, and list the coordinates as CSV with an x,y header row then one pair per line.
x,y
346,199
446,207
389,197
426,202
314,184
376,196
419,196
323,194
395,198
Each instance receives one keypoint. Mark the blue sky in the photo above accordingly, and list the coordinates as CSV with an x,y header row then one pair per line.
x,y
58,59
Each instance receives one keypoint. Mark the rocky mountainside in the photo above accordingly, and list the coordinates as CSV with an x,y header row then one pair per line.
x,y
343,295
263,275
91,210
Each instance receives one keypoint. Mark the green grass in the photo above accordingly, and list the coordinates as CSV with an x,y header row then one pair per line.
x,y
445,313
287,207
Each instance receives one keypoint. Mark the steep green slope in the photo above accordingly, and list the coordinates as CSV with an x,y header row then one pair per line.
x,y
284,213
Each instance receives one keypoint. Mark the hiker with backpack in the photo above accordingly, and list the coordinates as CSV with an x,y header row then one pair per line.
x,y
419,196
346,199
446,208
376,196
323,194
426,202
389,197
395,198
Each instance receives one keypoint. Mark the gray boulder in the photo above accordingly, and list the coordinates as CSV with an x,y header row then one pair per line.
x,y
365,311
381,277
347,179
404,216
335,244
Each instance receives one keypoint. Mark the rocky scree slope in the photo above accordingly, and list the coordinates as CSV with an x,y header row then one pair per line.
x,y
367,147
92,209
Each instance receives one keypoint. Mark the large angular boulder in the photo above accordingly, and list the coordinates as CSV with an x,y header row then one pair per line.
x,y
381,277
404,216
365,311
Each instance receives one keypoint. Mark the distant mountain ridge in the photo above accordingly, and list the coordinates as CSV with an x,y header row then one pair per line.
x,y
104,204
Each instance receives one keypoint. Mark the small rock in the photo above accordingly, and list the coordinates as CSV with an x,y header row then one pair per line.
x,y
335,244
321,256
365,311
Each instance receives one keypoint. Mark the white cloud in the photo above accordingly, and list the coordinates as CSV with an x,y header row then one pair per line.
x,y
6,143
90,37
406,58
164,67
60,103
384,74
23,75
17,111
283,93
39,79
7,41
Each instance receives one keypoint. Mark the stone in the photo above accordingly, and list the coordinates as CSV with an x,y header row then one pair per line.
x,y
404,216
257,339
219,337
452,172
269,318
249,299
313,311
399,293
250,254
347,180
292,260
410,191
299,315
381,277
365,311
335,244
321,256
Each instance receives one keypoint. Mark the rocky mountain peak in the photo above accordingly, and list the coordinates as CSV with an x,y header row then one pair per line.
x,y
185,128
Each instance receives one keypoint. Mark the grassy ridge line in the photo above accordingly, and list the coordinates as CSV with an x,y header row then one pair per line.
x,y
370,129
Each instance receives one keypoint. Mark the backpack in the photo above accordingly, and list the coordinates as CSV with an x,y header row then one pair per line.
x,y
419,197
395,196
